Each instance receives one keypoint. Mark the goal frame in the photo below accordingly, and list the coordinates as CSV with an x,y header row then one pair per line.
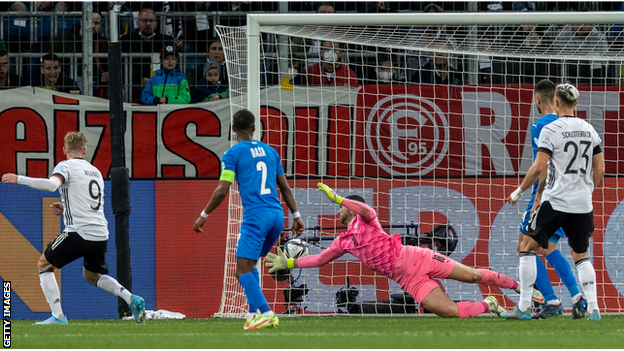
x,y
255,21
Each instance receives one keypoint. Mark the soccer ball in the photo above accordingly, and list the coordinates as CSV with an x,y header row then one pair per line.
x,y
296,248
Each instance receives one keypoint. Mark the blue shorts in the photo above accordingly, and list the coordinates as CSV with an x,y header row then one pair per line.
x,y
259,232
525,222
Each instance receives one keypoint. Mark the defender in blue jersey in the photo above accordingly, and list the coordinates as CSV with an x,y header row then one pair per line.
x,y
544,101
258,171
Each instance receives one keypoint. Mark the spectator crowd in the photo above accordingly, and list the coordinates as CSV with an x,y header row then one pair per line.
x,y
153,35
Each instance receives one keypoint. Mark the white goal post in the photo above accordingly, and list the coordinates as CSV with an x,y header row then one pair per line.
x,y
422,153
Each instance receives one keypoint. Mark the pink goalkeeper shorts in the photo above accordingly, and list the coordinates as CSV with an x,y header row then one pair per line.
x,y
415,268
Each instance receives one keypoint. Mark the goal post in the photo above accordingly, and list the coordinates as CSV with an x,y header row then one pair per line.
x,y
427,117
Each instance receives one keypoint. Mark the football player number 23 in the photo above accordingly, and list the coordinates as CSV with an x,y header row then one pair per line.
x,y
586,145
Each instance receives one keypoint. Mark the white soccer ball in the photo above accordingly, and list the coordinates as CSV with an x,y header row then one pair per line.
x,y
296,248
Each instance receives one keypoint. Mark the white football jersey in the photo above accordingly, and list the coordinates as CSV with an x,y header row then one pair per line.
x,y
571,143
82,195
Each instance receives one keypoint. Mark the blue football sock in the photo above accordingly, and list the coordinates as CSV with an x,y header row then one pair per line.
x,y
542,282
252,308
562,267
256,275
252,290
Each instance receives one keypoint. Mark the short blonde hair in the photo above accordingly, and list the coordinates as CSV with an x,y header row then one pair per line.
x,y
75,142
567,94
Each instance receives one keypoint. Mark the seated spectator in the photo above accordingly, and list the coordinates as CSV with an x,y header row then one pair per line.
x,y
330,70
383,72
51,6
71,42
40,6
210,88
524,70
491,68
308,49
146,39
215,53
438,70
583,39
8,79
52,78
168,86
426,36
18,7
295,72
177,27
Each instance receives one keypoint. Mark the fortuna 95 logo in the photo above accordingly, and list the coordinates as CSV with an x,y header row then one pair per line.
x,y
407,134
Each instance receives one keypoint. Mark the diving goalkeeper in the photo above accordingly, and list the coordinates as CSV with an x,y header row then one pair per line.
x,y
412,267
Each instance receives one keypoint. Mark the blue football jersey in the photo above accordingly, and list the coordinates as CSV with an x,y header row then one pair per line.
x,y
536,129
255,166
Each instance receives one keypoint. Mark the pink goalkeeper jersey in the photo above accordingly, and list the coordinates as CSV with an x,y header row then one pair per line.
x,y
364,239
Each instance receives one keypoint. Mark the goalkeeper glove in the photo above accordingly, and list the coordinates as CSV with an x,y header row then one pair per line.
x,y
278,262
330,193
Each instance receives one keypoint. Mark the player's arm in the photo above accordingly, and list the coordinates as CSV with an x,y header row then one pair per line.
x,y
540,190
44,184
216,199
363,210
297,226
366,212
280,261
536,130
598,166
539,165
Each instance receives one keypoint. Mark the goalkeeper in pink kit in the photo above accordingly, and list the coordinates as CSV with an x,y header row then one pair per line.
x,y
412,267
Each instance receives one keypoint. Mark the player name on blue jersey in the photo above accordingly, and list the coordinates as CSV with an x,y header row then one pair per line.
x,y
257,152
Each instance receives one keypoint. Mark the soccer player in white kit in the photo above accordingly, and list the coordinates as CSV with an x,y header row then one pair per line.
x,y
86,229
569,148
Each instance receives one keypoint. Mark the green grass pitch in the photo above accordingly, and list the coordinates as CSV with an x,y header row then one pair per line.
x,y
326,332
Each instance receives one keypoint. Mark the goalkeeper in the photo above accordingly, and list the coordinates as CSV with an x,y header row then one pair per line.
x,y
412,267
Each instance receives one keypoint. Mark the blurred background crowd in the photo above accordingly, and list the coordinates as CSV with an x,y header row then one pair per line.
x,y
172,54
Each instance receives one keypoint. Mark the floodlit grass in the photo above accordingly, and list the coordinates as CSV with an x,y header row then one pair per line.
x,y
326,332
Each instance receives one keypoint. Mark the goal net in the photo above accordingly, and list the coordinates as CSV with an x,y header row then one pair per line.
x,y
427,117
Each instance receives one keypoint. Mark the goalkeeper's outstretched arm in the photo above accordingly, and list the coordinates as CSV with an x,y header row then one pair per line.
x,y
280,261
366,212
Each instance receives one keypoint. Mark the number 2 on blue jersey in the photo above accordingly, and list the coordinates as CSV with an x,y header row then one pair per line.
x,y
261,167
